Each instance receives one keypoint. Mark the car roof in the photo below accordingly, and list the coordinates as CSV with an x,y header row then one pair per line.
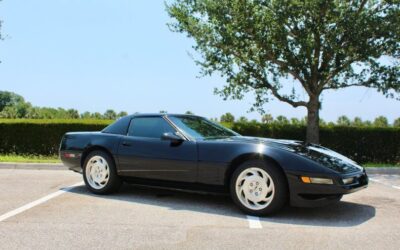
x,y
159,115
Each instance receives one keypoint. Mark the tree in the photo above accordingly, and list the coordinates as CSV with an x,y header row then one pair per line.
x,y
357,122
343,121
9,99
281,120
228,117
189,113
396,123
86,115
122,114
243,119
381,121
214,119
110,115
265,47
295,121
267,118
96,115
72,114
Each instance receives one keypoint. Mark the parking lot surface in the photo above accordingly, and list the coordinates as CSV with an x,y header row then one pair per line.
x,y
40,210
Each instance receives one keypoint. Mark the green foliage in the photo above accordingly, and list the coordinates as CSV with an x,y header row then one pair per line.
x,y
396,123
381,121
243,119
261,47
110,114
282,120
362,144
122,114
267,118
189,113
13,106
40,137
9,99
357,122
228,117
343,121
29,158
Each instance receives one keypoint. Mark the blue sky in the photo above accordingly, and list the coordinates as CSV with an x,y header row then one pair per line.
x,y
93,55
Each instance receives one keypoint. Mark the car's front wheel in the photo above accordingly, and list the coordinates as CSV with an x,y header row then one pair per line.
x,y
258,188
99,173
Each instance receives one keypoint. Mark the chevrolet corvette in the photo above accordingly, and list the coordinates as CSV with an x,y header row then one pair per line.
x,y
191,152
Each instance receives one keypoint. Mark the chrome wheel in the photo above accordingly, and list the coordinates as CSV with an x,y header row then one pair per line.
x,y
255,188
97,172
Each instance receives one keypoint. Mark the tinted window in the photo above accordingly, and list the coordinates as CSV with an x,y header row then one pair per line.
x,y
152,127
119,127
198,127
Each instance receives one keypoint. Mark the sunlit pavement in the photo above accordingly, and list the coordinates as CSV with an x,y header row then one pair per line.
x,y
149,218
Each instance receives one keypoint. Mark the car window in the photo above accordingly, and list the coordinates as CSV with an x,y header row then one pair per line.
x,y
151,127
120,127
198,127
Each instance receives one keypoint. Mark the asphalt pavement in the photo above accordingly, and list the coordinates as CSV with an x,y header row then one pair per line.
x,y
47,209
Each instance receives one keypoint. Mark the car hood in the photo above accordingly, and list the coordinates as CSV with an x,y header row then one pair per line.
x,y
323,156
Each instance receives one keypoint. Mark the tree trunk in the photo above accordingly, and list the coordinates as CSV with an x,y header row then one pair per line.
x,y
313,121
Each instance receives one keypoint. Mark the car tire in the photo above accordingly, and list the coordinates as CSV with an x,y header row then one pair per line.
x,y
259,187
99,173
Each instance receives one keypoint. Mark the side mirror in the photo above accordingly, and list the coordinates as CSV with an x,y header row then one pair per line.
x,y
171,137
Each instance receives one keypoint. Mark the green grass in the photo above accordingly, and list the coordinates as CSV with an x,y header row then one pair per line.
x,y
381,165
29,158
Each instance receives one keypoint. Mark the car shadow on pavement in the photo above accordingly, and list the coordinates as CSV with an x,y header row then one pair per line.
x,y
341,214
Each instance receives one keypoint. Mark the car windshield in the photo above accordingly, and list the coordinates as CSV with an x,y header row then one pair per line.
x,y
201,128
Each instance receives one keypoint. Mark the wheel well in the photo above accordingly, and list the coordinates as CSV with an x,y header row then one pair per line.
x,y
95,148
245,157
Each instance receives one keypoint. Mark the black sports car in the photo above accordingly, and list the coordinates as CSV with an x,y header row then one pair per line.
x,y
192,152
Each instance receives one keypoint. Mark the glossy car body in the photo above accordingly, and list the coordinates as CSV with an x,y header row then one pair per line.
x,y
209,163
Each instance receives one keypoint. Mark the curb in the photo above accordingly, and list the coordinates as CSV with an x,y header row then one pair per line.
x,y
33,166
388,171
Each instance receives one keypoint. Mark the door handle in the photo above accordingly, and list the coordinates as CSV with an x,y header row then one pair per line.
x,y
125,143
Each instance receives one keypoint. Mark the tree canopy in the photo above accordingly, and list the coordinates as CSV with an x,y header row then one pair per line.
x,y
14,106
275,48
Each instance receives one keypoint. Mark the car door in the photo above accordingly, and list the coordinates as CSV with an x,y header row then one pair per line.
x,y
142,153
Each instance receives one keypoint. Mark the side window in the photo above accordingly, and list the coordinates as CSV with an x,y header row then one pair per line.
x,y
151,127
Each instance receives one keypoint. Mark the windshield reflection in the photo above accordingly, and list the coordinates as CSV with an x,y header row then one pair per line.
x,y
201,128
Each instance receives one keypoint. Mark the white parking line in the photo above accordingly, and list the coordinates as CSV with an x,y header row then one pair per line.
x,y
254,222
396,187
37,202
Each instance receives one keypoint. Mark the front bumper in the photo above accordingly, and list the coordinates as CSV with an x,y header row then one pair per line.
x,y
314,195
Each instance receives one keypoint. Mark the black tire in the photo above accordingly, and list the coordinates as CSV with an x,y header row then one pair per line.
x,y
281,192
114,181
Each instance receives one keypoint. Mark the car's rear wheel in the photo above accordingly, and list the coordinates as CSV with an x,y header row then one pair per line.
x,y
258,188
99,173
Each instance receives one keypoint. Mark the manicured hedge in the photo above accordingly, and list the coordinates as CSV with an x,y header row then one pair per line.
x,y
364,144
40,137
